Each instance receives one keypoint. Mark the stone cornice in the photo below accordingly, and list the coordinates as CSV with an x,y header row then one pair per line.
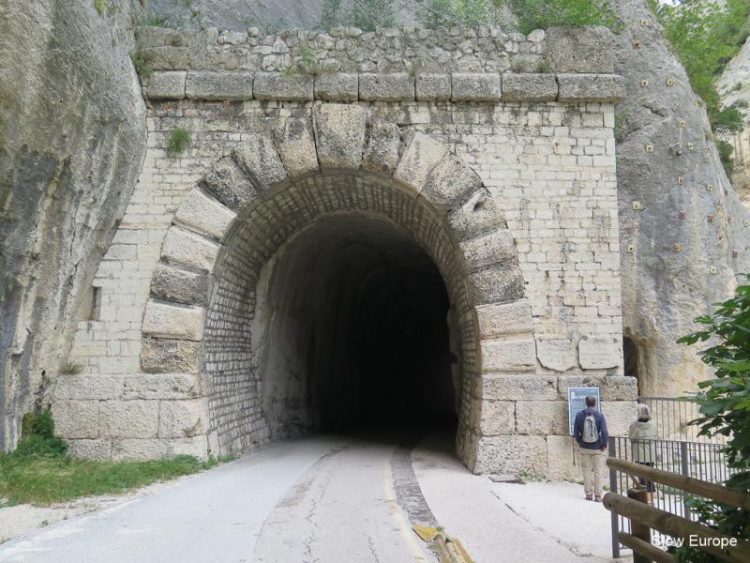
x,y
393,87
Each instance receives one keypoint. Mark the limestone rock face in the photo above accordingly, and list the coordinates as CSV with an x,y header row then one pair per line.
x,y
72,138
683,231
734,87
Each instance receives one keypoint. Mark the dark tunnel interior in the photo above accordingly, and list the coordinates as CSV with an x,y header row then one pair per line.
x,y
354,332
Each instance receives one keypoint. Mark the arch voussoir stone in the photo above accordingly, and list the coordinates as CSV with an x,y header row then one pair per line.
x,y
450,182
165,320
228,184
477,214
177,285
295,142
421,156
340,135
185,247
383,149
488,249
261,162
205,215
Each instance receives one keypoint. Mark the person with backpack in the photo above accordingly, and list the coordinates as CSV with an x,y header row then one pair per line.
x,y
590,431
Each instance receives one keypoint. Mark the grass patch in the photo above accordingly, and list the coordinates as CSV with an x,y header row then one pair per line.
x,y
142,65
543,14
47,479
39,472
178,140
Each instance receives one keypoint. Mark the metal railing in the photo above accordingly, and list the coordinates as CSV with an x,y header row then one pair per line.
x,y
700,460
672,416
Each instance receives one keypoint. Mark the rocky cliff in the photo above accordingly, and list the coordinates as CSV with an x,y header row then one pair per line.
x,y
72,137
734,87
684,232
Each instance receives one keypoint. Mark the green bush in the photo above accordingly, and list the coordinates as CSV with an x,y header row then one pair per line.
x,y
38,436
543,14
178,140
100,6
371,14
725,408
437,14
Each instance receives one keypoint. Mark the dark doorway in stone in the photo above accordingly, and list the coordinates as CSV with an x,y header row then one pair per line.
x,y
631,359
352,331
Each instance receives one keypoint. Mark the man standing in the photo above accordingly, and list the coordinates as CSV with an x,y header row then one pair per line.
x,y
590,431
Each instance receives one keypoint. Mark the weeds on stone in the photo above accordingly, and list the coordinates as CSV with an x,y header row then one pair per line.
x,y
100,6
71,369
142,65
178,141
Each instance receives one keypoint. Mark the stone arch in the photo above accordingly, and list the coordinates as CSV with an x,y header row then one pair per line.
x,y
283,181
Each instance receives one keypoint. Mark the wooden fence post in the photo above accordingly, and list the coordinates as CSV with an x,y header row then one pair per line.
x,y
639,530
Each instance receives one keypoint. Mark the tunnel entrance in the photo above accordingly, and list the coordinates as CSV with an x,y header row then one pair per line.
x,y
353,332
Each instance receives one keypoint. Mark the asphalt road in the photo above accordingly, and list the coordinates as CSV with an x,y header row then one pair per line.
x,y
321,499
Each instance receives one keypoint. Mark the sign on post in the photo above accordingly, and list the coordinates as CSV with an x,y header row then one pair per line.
x,y
577,402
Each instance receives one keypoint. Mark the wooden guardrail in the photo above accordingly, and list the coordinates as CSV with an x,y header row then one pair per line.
x,y
643,517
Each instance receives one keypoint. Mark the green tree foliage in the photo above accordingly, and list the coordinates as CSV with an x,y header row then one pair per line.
x,y
706,36
725,408
542,14
364,14
370,14
437,14
331,15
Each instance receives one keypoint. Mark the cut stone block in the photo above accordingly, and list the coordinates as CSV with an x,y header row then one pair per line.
x,y
184,247
383,148
498,319
563,460
508,355
340,135
76,419
129,419
204,215
168,85
219,85
174,284
88,387
498,284
433,87
294,138
337,87
497,417
599,353
386,87
476,87
160,355
478,214
171,386
279,86
259,160
502,387
172,321
226,183
557,354
421,156
450,182
529,87
511,455
542,418
493,248
90,449
183,419
608,88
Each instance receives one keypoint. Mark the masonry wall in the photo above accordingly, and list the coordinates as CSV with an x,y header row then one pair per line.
x,y
550,166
